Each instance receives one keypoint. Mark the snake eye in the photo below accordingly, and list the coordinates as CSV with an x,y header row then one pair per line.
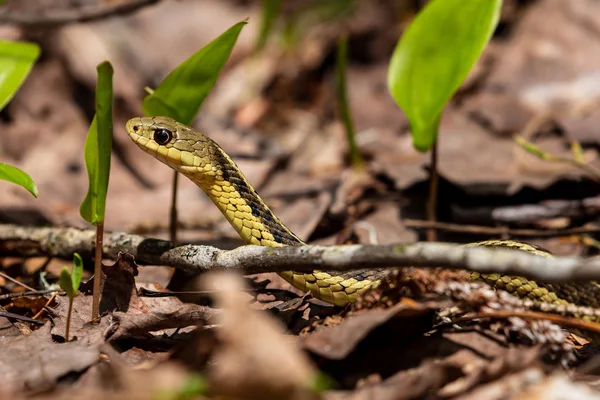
x,y
162,136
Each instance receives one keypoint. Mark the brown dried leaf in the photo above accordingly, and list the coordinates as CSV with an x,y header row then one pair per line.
x,y
410,384
119,292
337,342
35,362
139,324
252,351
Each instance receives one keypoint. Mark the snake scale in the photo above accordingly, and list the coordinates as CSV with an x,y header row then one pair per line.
x,y
204,162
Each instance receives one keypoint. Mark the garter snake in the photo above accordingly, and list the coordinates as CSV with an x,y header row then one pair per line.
x,y
204,162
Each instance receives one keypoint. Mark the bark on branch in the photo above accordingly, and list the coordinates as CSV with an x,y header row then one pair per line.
x,y
63,242
46,18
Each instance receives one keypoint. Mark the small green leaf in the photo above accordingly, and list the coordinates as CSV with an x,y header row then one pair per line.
x,y
77,271
98,147
183,91
65,282
16,60
433,58
15,175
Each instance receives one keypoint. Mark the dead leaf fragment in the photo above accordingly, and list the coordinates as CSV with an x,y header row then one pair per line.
x,y
35,362
337,342
252,350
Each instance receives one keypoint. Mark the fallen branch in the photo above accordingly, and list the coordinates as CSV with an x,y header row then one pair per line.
x,y
45,18
63,242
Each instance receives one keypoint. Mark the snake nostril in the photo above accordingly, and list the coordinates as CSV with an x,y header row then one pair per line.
x,y
136,128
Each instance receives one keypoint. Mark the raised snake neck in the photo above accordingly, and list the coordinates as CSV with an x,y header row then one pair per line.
x,y
204,162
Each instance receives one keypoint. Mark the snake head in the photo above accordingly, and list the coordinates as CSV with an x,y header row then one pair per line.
x,y
175,144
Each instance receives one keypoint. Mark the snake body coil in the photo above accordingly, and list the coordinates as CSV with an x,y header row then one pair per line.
x,y
206,164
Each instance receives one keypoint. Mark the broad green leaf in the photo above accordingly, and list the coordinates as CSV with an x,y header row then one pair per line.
x,y
97,150
16,60
66,283
77,271
183,91
433,58
15,175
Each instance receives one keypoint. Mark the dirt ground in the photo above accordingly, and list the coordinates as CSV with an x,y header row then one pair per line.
x,y
275,113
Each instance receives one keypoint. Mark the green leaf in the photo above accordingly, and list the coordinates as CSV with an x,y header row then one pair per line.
x,y
65,282
16,60
77,271
98,146
15,175
433,58
183,91
70,281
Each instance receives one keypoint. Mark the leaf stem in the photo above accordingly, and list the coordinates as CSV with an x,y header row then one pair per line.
x,y
97,271
433,193
342,98
69,318
173,213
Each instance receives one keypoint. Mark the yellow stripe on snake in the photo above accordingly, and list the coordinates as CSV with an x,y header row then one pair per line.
x,y
204,162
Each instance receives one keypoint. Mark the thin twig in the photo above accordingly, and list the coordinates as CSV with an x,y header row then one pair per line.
x,y
566,322
69,15
30,293
501,231
13,280
50,300
529,213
